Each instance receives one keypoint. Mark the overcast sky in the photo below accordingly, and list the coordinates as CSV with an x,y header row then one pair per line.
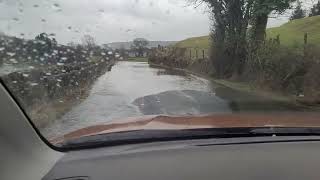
x,y
106,20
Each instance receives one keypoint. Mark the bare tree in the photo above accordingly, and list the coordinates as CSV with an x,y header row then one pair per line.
x,y
88,42
139,46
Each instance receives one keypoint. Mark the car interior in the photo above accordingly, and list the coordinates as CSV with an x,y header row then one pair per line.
x,y
25,154
159,90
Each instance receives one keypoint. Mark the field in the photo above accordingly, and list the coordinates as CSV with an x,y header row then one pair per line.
x,y
291,34
138,59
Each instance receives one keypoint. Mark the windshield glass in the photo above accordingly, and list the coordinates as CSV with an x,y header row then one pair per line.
x,y
81,67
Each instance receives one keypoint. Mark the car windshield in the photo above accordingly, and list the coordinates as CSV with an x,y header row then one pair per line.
x,y
79,67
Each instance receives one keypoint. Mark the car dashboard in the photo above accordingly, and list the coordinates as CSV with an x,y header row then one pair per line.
x,y
233,158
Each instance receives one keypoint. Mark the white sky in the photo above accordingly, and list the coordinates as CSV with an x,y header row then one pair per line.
x,y
106,20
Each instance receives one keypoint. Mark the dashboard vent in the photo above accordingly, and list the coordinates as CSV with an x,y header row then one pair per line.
x,y
75,178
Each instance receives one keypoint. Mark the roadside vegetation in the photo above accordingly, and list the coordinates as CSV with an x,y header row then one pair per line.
x,y
138,59
241,48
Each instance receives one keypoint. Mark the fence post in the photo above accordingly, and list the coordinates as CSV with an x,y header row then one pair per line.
x,y
305,44
305,38
278,39
190,54
203,54
196,53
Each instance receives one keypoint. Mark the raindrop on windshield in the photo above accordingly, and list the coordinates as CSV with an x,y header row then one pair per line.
x,y
25,75
36,5
34,84
60,64
56,5
14,61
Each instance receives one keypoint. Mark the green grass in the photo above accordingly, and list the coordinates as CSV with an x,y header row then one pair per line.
x,y
201,42
291,34
138,59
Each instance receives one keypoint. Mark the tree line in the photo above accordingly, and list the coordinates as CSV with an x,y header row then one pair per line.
x,y
239,29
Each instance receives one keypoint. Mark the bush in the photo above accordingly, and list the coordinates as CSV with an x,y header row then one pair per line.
x,y
276,67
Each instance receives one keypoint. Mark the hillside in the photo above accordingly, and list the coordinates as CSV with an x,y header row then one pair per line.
x,y
291,34
127,45
194,42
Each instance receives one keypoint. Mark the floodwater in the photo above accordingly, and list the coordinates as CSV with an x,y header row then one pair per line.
x,y
134,89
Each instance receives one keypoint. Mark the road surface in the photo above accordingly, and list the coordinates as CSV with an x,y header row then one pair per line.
x,y
134,89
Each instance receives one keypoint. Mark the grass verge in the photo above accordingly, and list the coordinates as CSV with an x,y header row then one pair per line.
x,y
138,59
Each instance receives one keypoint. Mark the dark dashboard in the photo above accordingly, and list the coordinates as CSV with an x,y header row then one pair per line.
x,y
232,158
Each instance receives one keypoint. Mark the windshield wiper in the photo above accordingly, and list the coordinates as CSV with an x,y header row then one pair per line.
x,y
144,136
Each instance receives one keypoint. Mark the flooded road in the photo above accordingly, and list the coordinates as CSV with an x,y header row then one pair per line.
x,y
134,89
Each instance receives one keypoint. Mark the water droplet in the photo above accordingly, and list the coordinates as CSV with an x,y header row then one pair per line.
x,y
60,101
103,54
34,50
58,85
34,84
15,19
46,55
64,58
63,70
48,74
11,53
14,82
59,80
69,28
43,20
25,75
14,61
60,64
31,67
110,52
36,5
2,48
22,34
56,5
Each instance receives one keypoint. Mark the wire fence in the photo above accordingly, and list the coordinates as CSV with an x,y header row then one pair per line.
x,y
192,53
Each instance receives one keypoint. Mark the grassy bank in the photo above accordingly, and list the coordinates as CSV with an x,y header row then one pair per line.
x,y
245,97
138,59
291,34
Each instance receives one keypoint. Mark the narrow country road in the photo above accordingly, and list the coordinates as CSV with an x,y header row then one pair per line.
x,y
134,89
